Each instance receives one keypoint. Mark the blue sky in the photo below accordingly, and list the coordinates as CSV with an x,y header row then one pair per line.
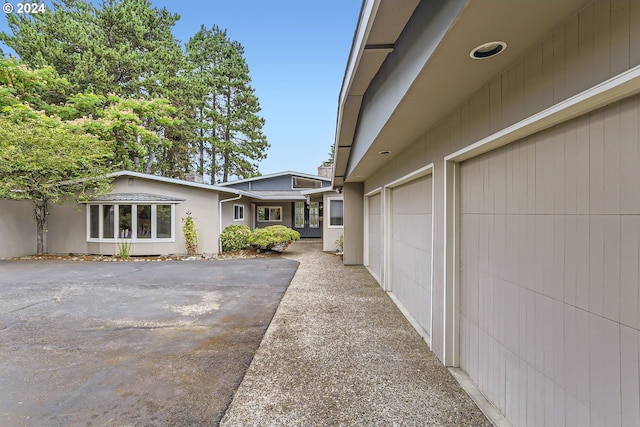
x,y
297,51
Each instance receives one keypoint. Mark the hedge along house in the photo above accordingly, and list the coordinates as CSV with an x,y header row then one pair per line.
x,y
306,203
146,210
489,154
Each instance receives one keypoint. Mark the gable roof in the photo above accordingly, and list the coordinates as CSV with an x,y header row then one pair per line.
x,y
135,197
174,181
275,175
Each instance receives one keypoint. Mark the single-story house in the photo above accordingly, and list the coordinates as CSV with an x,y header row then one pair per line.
x,y
306,203
147,210
489,156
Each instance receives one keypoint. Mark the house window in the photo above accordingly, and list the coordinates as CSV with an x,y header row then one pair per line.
x,y
163,221
299,215
336,212
238,212
270,213
299,182
142,222
314,215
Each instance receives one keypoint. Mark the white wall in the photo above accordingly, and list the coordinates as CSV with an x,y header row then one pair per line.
x,y
17,228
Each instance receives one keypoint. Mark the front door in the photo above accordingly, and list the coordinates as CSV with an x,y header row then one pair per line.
x,y
306,219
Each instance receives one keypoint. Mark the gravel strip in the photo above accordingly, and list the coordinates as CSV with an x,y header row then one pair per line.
x,y
339,353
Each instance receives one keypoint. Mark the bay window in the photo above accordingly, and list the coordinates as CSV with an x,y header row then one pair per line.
x,y
135,221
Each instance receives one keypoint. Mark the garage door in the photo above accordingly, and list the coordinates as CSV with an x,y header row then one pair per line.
x,y
375,241
549,247
411,228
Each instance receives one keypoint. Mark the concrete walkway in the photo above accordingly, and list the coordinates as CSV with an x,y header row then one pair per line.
x,y
339,353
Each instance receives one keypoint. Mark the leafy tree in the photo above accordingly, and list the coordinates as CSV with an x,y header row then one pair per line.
x,y
44,158
44,161
124,52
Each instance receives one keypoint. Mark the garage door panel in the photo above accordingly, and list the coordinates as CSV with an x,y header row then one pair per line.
x,y
411,243
549,273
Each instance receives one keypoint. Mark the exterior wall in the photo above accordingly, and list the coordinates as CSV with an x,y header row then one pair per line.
x,y
591,376
353,223
17,228
329,234
228,213
68,222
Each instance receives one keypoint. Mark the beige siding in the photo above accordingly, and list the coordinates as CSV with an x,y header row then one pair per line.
x,y
17,228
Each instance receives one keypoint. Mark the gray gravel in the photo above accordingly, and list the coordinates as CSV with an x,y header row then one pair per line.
x,y
339,353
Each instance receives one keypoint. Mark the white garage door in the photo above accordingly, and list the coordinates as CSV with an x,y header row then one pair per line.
x,y
375,242
549,249
411,246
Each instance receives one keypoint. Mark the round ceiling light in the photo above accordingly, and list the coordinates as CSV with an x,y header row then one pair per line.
x,y
488,50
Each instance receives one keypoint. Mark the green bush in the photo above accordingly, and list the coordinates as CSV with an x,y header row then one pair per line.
x,y
190,234
235,238
272,236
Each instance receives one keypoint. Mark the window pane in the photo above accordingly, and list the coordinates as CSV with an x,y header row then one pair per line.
x,y
144,221
124,221
299,215
94,221
314,215
108,221
274,215
163,221
262,214
238,212
335,212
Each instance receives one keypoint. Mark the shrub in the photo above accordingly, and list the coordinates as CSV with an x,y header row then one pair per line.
x,y
340,244
190,234
274,237
235,238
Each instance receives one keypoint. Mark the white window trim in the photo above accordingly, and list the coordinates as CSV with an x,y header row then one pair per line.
x,y
269,220
134,222
329,199
241,218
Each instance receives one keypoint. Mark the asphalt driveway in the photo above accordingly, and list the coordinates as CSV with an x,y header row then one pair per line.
x,y
130,343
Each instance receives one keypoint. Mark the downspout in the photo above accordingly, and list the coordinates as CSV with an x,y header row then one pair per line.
x,y
220,219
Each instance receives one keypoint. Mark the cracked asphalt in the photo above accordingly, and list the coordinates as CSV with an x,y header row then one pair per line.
x,y
135,343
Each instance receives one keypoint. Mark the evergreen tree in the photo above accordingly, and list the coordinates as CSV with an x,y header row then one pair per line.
x,y
228,131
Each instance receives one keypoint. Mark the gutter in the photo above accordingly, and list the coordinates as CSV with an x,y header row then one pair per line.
x,y
220,218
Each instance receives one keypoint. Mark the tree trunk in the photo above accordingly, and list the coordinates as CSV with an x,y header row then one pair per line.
x,y
41,222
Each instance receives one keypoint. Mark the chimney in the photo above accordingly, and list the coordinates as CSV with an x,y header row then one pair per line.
x,y
194,177
325,171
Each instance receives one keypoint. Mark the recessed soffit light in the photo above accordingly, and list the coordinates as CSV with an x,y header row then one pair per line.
x,y
384,152
487,50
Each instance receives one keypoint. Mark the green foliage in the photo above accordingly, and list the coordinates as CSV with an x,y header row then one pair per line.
x,y
268,237
126,49
235,238
227,130
124,248
340,243
190,234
